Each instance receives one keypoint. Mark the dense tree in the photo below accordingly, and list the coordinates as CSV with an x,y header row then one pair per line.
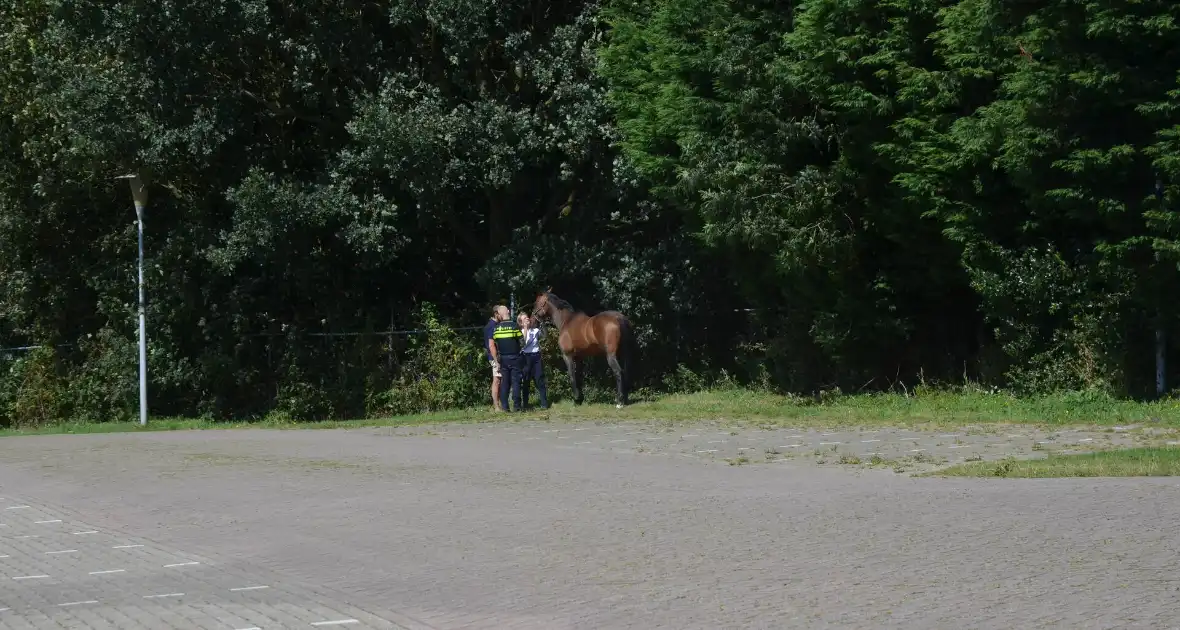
x,y
1045,177
935,164
763,124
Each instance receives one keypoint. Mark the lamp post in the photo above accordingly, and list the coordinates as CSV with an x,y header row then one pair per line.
x,y
139,194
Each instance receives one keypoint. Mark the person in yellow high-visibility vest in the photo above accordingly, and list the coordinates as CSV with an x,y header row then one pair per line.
x,y
507,340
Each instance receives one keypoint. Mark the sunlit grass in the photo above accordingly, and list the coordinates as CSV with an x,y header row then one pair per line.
x,y
1134,462
737,406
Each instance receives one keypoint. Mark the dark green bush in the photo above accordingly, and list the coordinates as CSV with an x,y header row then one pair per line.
x,y
444,370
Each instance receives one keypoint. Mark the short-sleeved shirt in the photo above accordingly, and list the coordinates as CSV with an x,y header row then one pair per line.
x,y
508,338
487,336
532,340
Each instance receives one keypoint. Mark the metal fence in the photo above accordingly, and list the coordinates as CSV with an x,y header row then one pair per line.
x,y
381,333
682,339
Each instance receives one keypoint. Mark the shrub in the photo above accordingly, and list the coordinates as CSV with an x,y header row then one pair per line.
x,y
105,386
32,392
444,370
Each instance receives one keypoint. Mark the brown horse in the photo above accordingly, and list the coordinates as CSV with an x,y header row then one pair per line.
x,y
579,335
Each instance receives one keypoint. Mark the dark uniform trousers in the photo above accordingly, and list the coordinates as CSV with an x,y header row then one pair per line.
x,y
511,373
534,371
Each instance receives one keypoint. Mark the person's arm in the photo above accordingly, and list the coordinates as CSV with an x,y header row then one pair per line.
x,y
492,349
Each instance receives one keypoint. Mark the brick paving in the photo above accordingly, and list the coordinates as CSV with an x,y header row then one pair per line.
x,y
536,525
64,572
905,450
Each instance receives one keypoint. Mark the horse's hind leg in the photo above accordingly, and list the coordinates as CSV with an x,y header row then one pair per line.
x,y
571,366
620,380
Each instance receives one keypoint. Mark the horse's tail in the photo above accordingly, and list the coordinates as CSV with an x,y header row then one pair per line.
x,y
630,353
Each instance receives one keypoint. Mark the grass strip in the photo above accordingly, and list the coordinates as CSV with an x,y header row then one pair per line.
x,y
1163,461
933,408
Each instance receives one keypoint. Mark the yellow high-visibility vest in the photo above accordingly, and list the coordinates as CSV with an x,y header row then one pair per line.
x,y
507,337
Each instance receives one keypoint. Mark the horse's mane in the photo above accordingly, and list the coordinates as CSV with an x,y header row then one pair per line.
x,y
558,302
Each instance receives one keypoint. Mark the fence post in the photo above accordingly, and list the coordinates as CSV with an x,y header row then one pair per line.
x,y
1161,345
389,344
1161,354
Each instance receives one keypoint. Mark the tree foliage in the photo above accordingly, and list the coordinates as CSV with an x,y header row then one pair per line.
x,y
826,193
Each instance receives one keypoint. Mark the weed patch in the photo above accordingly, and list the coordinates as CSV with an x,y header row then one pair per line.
x,y
1133,462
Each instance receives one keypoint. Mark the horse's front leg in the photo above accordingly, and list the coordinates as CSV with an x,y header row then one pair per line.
x,y
571,365
579,373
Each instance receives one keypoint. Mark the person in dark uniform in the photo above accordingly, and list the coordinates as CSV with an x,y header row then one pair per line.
x,y
507,340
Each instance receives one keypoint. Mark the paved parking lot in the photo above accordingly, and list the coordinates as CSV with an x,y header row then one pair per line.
x,y
537,525
904,450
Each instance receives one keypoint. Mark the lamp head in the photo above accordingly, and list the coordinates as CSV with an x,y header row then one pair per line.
x,y
139,190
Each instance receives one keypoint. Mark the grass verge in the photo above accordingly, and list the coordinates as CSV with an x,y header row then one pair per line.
x,y
1133,462
926,408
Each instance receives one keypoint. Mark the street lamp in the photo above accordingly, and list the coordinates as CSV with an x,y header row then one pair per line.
x,y
140,195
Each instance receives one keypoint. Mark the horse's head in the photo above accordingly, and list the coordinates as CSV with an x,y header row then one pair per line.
x,y
541,305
